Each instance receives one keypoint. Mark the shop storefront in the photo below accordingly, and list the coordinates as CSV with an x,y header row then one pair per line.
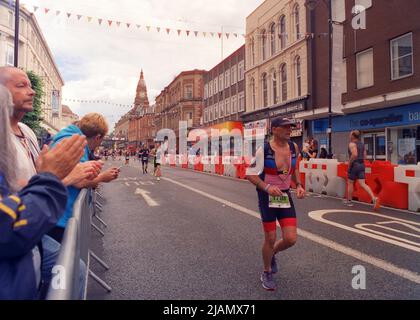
x,y
261,119
391,134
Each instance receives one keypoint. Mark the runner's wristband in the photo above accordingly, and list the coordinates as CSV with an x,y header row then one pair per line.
x,y
267,187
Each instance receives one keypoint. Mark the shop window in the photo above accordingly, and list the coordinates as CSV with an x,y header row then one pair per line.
x,y
404,145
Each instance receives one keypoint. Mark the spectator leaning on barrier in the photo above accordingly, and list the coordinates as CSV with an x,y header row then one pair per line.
x,y
19,94
27,215
94,127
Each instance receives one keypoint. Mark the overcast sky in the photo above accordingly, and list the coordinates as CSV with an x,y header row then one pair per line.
x,y
104,63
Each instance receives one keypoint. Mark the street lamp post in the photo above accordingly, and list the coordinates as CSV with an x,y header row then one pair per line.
x,y
17,14
311,5
330,61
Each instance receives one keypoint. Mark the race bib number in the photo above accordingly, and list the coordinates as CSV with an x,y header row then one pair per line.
x,y
279,202
145,158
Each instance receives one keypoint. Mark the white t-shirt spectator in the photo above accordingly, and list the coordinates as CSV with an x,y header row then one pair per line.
x,y
27,151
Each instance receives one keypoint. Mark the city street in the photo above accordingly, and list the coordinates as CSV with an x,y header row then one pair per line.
x,y
195,236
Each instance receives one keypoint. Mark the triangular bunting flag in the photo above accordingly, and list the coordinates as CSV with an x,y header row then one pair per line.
x,y
212,34
46,10
227,35
196,33
188,32
128,25
109,22
118,23
204,34
79,16
89,19
100,21
35,8
138,26
219,34
236,35
179,32
168,30
148,28
158,29
68,15
57,13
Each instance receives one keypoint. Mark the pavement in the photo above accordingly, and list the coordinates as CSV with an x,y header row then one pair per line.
x,y
196,236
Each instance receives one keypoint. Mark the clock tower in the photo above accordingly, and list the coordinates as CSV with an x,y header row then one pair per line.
x,y
141,102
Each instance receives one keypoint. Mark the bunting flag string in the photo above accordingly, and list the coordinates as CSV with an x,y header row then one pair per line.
x,y
148,28
131,106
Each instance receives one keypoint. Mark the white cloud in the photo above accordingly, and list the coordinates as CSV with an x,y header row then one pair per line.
x,y
103,63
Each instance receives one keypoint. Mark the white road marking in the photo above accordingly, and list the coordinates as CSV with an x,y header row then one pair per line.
x,y
136,183
127,184
318,216
146,197
379,263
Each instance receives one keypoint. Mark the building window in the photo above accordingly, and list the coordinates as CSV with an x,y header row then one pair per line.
x,y
234,104
298,76
227,107
241,68
282,32
234,74
22,26
188,92
252,48
273,38
206,91
216,86
265,90
10,55
241,101
221,110
253,94
274,87
402,56
264,44
283,75
221,83
364,65
296,21
227,79
11,20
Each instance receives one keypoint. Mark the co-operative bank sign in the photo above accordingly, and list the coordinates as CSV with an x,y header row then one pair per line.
x,y
389,117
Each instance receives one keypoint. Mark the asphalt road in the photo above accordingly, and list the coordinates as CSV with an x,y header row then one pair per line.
x,y
194,236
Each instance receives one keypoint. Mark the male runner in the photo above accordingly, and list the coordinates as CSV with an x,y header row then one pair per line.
x,y
274,197
356,171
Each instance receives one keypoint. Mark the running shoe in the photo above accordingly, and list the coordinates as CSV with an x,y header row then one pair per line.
x,y
267,281
376,203
158,179
348,203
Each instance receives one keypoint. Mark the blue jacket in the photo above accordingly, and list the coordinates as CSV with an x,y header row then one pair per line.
x,y
72,191
24,219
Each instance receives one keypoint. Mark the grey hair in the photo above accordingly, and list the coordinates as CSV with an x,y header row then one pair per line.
x,y
5,74
7,148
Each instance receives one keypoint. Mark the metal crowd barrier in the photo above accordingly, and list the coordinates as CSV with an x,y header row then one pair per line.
x,y
65,284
